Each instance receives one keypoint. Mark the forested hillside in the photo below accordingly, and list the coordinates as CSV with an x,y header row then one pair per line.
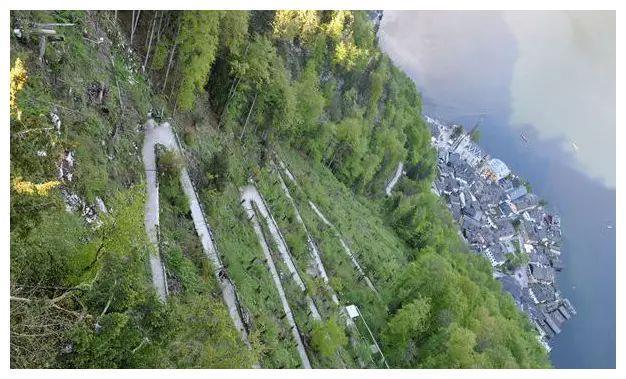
x,y
299,105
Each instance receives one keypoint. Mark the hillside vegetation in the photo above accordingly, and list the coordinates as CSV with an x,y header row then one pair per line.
x,y
244,91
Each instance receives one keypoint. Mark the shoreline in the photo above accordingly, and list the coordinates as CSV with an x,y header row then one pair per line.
x,y
500,218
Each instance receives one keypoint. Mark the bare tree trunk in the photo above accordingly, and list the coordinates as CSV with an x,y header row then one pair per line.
x,y
145,62
158,36
145,41
164,25
232,90
134,26
330,164
248,117
137,20
49,25
172,92
169,64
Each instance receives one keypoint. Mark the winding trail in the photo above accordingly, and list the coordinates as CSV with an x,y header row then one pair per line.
x,y
315,251
163,134
250,195
395,179
355,263
151,137
315,255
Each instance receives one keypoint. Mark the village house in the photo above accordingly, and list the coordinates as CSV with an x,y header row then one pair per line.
x,y
542,273
526,202
516,193
495,255
498,215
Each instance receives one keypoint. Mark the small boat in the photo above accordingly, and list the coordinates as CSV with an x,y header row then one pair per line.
x,y
574,146
523,137
609,226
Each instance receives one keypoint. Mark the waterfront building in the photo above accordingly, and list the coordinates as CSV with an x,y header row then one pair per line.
x,y
495,169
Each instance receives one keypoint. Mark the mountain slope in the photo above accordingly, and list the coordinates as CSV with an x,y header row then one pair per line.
x,y
252,89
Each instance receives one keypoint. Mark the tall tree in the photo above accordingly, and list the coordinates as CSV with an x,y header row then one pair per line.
x,y
198,41
149,42
402,333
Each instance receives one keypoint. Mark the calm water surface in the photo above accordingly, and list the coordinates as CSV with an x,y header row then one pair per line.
x,y
550,75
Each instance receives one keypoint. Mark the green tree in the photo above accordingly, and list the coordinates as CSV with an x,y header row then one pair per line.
x,y
516,260
460,348
402,334
348,55
234,31
363,32
328,337
198,41
320,138
309,102
475,135
204,336
303,24
50,254
340,22
277,102
377,80
350,148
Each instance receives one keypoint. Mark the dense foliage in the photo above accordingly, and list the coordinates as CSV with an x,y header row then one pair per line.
x,y
312,87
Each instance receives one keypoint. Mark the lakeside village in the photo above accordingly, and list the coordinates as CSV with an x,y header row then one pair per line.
x,y
500,218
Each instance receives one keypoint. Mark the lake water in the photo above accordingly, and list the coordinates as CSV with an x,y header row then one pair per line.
x,y
550,75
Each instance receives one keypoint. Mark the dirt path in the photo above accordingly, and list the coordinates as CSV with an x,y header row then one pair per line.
x,y
395,179
250,195
163,134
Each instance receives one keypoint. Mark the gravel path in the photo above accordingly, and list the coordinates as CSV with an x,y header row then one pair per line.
x,y
251,194
315,251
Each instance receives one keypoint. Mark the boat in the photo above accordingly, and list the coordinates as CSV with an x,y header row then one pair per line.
x,y
523,137
574,146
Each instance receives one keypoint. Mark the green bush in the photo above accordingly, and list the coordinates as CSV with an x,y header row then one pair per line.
x,y
328,337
